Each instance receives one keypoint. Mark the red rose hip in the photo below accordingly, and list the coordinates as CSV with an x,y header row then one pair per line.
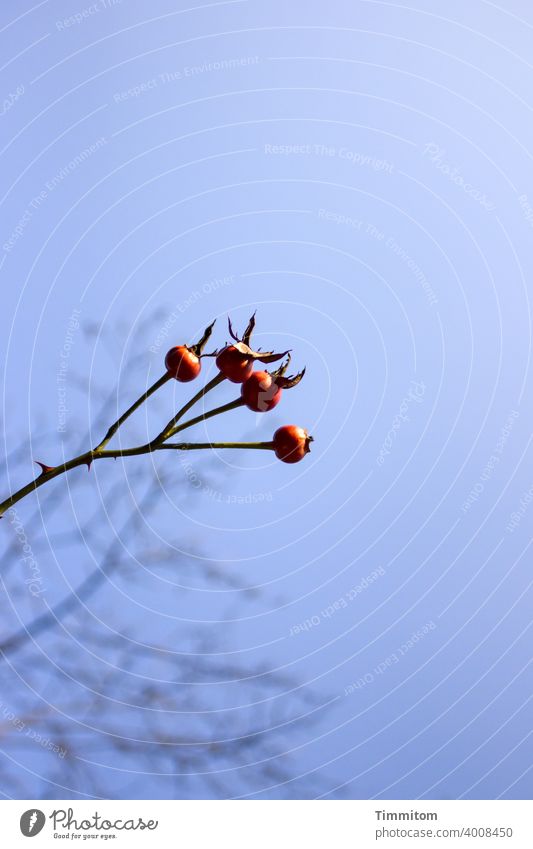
x,y
261,393
182,364
234,365
291,443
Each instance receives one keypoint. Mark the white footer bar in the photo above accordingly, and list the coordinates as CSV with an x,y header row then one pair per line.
x,y
269,824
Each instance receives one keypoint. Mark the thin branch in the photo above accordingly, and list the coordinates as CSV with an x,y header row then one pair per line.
x,y
170,429
88,586
231,405
193,446
88,457
114,427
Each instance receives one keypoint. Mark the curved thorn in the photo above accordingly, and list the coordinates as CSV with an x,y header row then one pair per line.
x,y
44,468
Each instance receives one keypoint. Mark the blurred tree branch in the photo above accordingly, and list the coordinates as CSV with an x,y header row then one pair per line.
x,y
93,711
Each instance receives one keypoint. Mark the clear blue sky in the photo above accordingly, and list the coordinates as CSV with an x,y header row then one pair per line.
x,y
361,174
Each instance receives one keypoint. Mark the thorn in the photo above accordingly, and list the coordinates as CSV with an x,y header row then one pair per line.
x,y
44,468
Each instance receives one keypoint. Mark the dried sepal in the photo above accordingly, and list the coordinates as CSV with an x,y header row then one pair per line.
x,y
286,382
289,382
231,331
266,356
243,346
283,368
249,330
247,335
249,354
200,345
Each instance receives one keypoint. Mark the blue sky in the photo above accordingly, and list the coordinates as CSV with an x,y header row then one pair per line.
x,y
361,175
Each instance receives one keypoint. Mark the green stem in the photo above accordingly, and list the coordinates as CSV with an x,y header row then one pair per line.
x,y
193,446
83,459
87,458
114,427
157,444
169,429
231,405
